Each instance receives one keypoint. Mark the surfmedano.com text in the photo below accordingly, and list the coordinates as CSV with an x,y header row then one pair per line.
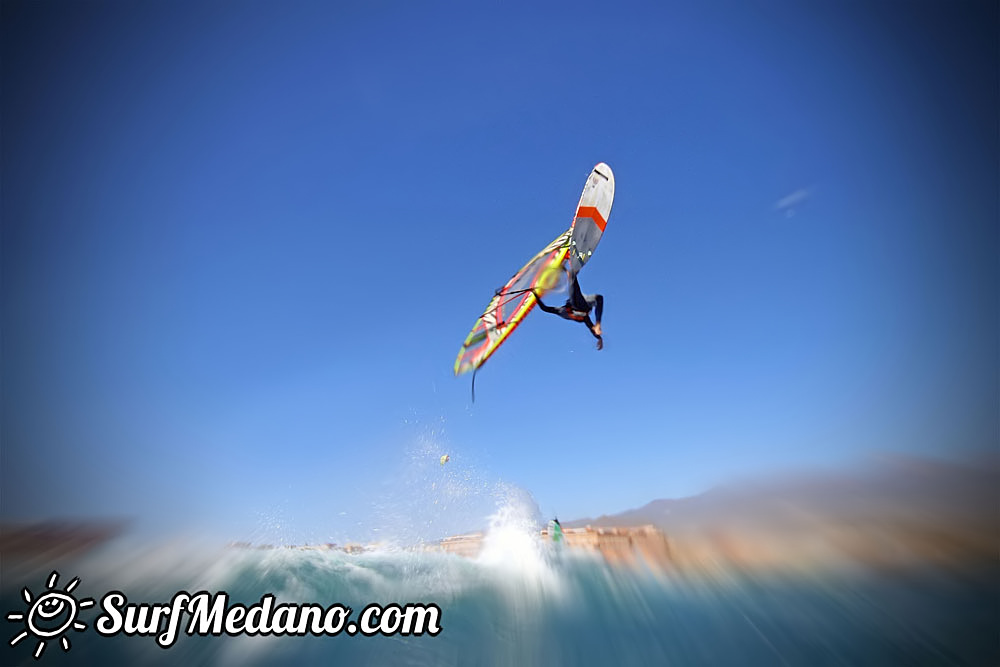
x,y
215,615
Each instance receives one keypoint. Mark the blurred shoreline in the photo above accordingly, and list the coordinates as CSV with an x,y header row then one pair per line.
x,y
898,513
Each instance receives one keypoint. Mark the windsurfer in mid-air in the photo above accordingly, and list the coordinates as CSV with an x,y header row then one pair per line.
x,y
577,308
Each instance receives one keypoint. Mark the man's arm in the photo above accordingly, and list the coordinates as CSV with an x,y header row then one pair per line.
x,y
547,309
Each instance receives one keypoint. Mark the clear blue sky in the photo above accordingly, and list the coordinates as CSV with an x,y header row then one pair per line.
x,y
242,243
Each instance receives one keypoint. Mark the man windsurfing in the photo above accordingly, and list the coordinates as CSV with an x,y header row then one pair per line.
x,y
577,308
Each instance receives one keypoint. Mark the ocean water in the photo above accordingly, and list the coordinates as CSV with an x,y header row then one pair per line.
x,y
525,602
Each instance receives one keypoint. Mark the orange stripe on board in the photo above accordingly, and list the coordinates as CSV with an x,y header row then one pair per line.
x,y
592,213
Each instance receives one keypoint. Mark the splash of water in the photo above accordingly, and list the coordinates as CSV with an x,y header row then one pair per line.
x,y
513,550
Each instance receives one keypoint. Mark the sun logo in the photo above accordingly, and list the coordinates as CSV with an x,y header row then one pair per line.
x,y
50,615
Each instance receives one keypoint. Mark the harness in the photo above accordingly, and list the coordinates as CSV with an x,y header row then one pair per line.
x,y
572,314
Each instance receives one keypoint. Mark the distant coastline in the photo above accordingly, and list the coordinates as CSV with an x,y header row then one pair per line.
x,y
895,513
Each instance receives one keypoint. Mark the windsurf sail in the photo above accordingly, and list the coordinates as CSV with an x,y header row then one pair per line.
x,y
512,302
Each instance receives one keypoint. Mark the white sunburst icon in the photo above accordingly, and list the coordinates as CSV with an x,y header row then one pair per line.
x,y
50,614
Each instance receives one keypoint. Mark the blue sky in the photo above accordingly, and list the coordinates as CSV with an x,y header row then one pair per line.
x,y
242,244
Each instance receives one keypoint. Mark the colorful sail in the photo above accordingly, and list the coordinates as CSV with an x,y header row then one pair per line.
x,y
513,302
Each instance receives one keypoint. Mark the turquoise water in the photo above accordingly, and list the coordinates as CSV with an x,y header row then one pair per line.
x,y
523,603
